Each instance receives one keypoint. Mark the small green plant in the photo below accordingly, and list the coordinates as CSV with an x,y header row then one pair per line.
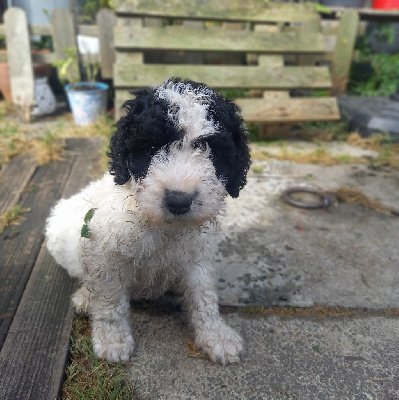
x,y
3,42
257,170
383,77
68,67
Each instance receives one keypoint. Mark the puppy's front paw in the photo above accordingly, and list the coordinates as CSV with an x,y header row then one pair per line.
x,y
112,342
80,300
220,342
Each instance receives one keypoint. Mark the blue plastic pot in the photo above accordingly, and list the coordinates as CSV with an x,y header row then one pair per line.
x,y
87,101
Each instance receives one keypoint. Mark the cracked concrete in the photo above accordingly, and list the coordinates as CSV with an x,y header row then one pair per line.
x,y
274,254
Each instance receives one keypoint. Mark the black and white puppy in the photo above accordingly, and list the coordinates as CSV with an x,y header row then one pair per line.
x,y
149,225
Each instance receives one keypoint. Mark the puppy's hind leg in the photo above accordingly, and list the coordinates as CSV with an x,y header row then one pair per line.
x,y
220,342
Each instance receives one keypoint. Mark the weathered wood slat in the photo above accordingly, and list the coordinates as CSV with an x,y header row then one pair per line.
x,y
34,355
233,10
88,30
14,178
41,30
223,40
106,21
293,109
19,60
222,76
33,358
274,109
342,59
18,253
47,58
64,37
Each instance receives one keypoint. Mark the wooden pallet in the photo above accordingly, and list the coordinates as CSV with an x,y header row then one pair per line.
x,y
35,311
213,36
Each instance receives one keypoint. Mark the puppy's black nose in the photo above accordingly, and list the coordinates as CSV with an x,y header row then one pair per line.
x,y
177,202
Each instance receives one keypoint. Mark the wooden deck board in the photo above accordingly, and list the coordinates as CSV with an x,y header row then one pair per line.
x,y
35,303
14,177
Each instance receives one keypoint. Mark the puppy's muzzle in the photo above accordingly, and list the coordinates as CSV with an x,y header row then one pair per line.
x,y
177,202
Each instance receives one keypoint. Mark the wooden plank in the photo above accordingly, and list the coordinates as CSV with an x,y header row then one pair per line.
x,y
369,14
106,22
65,37
19,252
343,55
14,178
245,77
89,30
41,30
34,355
293,110
277,109
46,58
223,40
233,10
19,60
193,57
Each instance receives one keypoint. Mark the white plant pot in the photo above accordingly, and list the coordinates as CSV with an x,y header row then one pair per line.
x,y
45,102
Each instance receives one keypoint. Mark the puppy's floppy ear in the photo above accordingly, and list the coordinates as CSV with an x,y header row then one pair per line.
x,y
121,141
230,152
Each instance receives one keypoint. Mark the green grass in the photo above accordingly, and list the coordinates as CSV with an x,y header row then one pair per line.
x,y
91,378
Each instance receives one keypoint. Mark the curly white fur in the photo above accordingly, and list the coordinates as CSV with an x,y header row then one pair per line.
x,y
138,248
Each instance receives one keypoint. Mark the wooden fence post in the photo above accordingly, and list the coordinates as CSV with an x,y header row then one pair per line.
x,y
20,60
64,35
106,20
343,54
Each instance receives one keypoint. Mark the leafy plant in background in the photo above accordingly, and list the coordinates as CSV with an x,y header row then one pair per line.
x,y
91,69
382,78
87,14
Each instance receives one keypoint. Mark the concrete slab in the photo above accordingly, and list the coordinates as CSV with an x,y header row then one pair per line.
x,y
276,254
284,359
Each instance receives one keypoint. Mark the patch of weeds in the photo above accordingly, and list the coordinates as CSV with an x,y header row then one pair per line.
x,y
353,196
325,131
257,170
317,313
388,152
47,148
345,158
87,376
382,76
194,352
319,156
14,216
104,127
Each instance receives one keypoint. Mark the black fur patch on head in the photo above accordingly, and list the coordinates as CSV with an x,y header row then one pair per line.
x,y
141,133
229,149
147,128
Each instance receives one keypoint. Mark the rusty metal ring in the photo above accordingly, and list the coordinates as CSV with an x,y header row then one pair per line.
x,y
323,203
